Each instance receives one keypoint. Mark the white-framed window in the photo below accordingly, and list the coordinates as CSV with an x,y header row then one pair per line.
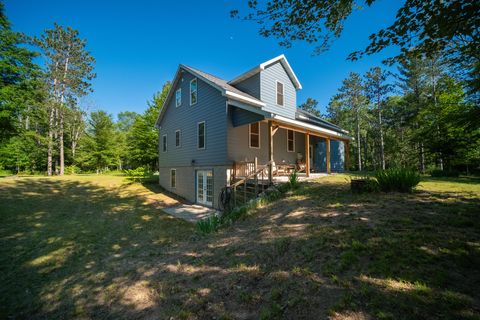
x,y
254,135
290,141
279,93
201,135
178,136
173,178
193,91
178,97
164,143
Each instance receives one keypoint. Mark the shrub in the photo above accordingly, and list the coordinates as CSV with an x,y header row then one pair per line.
x,y
73,169
365,184
445,173
136,174
397,179
209,225
293,180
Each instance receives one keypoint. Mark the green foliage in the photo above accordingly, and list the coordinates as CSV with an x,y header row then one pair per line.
x,y
445,173
136,174
293,180
310,106
72,169
208,225
397,179
365,185
142,138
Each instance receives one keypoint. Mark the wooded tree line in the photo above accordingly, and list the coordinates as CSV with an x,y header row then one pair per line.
x,y
418,117
44,127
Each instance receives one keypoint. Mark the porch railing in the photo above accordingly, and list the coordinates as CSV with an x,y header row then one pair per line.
x,y
250,185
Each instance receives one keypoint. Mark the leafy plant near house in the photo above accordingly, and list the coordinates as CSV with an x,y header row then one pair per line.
x,y
208,225
293,180
364,184
397,179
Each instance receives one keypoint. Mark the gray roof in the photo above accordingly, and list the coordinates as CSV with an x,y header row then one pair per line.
x,y
219,82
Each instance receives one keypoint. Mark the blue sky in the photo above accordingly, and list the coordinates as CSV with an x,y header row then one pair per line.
x,y
139,44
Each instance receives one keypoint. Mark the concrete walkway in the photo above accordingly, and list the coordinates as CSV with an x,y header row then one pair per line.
x,y
190,212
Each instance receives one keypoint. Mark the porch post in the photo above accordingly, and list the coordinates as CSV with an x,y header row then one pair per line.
x,y
307,154
270,152
347,155
328,155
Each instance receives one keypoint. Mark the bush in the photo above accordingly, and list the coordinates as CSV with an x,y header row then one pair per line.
x,y
397,179
363,185
136,174
445,173
73,169
209,225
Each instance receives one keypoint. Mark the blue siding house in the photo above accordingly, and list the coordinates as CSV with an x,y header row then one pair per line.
x,y
209,128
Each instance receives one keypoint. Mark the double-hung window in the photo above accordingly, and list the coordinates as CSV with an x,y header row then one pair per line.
x,y
254,135
178,136
290,141
178,97
279,93
193,91
164,143
201,135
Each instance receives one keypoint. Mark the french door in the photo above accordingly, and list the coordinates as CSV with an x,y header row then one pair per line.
x,y
205,187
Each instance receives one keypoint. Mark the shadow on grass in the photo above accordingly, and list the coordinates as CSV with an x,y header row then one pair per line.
x,y
70,249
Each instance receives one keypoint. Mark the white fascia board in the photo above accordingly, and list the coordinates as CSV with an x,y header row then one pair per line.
x,y
262,67
311,127
241,98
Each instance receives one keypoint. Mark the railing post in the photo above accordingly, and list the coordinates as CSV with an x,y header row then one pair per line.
x,y
245,191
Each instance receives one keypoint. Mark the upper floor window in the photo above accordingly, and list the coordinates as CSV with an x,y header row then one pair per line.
x,y
201,135
254,135
193,91
290,141
177,138
178,97
279,93
164,143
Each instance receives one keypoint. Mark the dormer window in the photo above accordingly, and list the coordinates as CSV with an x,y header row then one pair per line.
x,y
178,97
279,93
193,91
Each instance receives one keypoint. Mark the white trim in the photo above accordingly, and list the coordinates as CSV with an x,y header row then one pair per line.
x,y
179,138
262,67
276,93
179,104
164,143
249,136
311,127
288,130
173,170
237,96
204,135
248,107
196,91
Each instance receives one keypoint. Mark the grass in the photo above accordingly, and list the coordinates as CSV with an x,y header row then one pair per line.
x,y
99,247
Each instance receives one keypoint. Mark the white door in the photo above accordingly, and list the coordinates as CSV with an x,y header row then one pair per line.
x,y
205,187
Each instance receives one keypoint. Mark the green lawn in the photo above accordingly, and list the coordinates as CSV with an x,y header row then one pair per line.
x,y
99,247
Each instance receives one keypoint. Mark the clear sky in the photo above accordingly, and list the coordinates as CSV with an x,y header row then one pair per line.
x,y
139,44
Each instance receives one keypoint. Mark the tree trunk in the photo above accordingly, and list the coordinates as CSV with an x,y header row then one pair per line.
x,y
380,127
62,155
359,147
422,158
50,142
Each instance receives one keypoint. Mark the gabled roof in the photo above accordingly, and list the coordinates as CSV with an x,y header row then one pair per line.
x,y
281,58
218,83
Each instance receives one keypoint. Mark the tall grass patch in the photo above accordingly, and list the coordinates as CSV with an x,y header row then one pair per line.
x,y
397,179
